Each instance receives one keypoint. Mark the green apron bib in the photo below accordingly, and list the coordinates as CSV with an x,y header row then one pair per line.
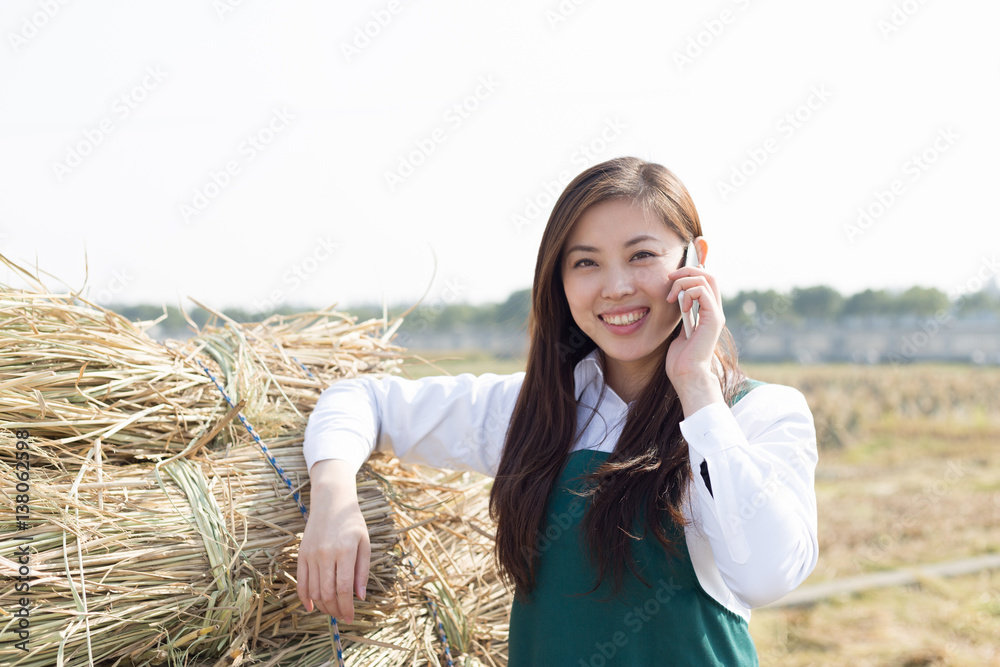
x,y
675,622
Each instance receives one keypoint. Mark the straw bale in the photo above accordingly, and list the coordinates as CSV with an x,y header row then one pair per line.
x,y
162,535
187,545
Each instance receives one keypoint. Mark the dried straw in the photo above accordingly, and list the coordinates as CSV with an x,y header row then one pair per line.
x,y
160,532
190,560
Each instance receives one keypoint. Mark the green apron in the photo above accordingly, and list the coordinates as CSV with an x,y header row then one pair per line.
x,y
673,622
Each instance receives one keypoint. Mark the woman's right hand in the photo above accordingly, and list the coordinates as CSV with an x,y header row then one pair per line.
x,y
335,553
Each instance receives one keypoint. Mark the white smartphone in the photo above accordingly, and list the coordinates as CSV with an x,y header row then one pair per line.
x,y
690,318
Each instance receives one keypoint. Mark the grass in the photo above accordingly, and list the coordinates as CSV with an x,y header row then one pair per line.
x,y
940,622
461,361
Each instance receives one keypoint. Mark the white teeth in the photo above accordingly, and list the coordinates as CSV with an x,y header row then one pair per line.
x,y
628,318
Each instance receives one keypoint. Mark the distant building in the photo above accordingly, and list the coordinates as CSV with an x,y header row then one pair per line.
x,y
853,340
973,339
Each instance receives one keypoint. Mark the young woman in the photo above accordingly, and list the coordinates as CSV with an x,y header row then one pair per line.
x,y
647,494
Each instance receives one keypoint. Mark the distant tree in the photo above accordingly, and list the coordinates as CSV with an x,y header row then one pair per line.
x,y
749,306
982,301
515,310
243,315
146,312
819,302
732,307
921,301
451,316
869,302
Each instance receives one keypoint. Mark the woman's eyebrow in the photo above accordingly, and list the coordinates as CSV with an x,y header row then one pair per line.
x,y
631,242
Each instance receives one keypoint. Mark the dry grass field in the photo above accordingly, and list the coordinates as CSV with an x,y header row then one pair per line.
x,y
909,474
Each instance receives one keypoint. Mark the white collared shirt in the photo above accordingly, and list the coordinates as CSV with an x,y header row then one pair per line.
x,y
750,543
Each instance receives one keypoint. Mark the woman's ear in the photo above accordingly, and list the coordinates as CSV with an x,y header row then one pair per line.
x,y
701,245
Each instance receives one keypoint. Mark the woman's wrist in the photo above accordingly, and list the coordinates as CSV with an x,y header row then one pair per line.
x,y
698,390
332,476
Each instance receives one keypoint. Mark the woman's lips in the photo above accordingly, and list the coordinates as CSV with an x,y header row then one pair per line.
x,y
625,329
642,313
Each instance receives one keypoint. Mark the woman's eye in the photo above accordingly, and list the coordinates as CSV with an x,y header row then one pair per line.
x,y
638,255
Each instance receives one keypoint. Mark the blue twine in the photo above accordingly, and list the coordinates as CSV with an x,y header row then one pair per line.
x,y
267,453
305,513
284,478
336,641
444,638
437,619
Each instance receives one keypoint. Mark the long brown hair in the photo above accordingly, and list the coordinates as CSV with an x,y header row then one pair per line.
x,y
649,470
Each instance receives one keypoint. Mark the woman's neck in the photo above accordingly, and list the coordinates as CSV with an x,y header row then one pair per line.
x,y
627,380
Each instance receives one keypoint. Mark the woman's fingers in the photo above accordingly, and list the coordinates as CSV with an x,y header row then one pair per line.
x,y
715,288
696,287
320,580
326,582
687,357
334,557
344,603
683,283
302,587
707,303
688,276
362,566
328,591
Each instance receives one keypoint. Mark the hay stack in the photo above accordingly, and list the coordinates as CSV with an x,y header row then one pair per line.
x,y
160,533
192,555
73,373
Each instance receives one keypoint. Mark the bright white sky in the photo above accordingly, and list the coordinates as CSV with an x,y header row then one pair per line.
x,y
113,115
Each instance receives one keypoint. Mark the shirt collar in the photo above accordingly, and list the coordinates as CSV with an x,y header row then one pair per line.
x,y
589,370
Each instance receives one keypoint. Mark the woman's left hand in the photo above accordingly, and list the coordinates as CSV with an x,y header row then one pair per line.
x,y
690,360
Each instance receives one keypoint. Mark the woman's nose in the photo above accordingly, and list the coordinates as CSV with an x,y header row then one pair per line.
x,y
619,282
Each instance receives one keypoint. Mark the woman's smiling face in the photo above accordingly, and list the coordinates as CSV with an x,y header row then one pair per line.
x,y
614,270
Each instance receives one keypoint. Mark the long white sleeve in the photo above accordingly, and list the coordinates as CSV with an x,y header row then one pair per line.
x,y
760,516
457,422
